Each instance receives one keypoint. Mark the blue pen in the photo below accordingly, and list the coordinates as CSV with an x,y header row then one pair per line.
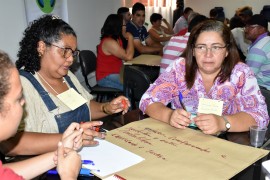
x,y
83,172
181,101
87,162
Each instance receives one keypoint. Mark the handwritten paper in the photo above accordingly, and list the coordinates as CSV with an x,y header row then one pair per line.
x,y
172,153
108,158
210,106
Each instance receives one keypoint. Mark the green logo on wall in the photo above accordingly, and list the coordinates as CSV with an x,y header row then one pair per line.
x,y
46,6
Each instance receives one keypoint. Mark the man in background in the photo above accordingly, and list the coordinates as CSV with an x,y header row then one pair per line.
x,y
258,57
139,32
124,12
182,23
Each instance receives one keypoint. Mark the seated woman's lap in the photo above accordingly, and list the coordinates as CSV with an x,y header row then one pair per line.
x,y
112,80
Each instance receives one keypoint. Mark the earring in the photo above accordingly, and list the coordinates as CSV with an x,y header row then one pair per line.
x,y
39,54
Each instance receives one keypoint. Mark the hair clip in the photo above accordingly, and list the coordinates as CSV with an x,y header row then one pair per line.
x,y
55,17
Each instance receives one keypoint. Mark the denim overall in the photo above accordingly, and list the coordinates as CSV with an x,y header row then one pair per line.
x,y
65,119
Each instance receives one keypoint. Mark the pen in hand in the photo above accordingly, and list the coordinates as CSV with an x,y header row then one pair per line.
x,y
181,101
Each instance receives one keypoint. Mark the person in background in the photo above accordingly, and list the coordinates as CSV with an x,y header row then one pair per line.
x,y
208,68
258,57
159,34
141,37
124,12
110,52
182,22
185,30
177,44
213,14
11,111
244,13
178,12
47,50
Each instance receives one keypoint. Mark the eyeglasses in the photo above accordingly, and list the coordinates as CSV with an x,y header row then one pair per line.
x,y
214,49
250,26
67,52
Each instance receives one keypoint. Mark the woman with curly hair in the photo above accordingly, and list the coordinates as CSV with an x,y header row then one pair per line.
x,y
11,111
54,96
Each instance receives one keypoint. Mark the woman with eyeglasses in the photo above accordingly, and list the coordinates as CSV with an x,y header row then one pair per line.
x,y
54,96
209,68
111,51
11,111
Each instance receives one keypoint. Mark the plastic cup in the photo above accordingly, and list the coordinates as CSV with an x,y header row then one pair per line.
x,y
257,135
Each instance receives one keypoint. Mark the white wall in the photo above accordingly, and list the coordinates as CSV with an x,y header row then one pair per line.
x,y
13,22
88,16
229,6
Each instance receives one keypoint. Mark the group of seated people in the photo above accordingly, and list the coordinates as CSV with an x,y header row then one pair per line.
x,y
37,118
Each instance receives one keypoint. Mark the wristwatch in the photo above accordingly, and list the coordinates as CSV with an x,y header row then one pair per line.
x,y
227,123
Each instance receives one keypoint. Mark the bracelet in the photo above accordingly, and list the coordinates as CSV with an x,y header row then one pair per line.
x,y
104,109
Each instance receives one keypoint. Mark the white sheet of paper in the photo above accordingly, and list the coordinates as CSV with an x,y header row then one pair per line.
x,y
108,158
210,106
72,99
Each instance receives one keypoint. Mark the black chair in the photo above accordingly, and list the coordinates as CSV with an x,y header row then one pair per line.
x,y
136,82
88,65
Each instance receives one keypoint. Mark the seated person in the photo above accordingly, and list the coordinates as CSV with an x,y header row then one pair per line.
x,y
177,44
110,52
141,37
158,33
182,22
258,57
47,50
11,111
124,11
208,68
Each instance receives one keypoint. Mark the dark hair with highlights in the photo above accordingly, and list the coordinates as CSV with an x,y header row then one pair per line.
x,y
5,66
112,27
47,28
229,62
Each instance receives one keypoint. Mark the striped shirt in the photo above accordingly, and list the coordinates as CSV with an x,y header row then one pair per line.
x,y
173,50
258,59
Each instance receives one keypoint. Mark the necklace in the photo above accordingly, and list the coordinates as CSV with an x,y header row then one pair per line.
x,y
48,83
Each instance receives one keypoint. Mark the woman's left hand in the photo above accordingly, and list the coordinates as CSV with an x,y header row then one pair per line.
x,y
119,104
72,137
209,123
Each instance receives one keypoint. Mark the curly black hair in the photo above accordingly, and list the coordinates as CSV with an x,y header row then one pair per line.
x,y
49,29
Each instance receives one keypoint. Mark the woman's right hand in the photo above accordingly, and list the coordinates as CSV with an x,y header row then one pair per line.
x,y
180,119
68,162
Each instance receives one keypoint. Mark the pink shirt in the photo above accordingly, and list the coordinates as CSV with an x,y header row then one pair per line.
x,y
8,174
240,93
173,50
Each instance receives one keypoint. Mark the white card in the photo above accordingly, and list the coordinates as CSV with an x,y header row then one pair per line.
x,y
72,99
210,106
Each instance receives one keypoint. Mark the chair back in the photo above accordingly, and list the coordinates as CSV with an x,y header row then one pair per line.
x,y
88,62
136,82
266,94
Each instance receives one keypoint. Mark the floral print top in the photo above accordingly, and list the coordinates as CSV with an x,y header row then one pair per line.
x,y
240,93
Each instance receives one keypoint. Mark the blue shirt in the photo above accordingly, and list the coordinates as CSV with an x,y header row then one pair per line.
x,y
138,33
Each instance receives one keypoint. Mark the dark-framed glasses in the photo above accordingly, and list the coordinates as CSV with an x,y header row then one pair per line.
x,y
214,49
67,52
